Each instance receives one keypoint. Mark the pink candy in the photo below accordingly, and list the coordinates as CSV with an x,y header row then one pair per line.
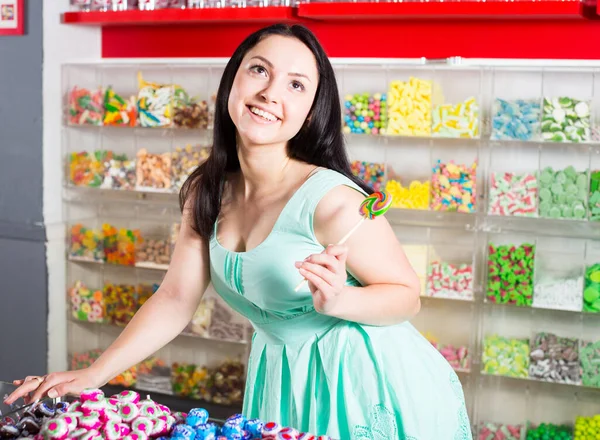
x,y
513,194
92,394
91,421
128,412
445,280
128,396
142,424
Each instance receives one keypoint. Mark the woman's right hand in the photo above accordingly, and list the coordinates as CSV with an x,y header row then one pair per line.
x,y
54,385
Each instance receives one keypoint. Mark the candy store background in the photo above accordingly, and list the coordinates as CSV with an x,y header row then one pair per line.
x,y
480,118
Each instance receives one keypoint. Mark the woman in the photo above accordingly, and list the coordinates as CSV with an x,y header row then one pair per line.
x,y
338,357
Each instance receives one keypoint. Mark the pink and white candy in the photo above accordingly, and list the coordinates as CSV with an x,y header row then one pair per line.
x,y
128,396
129,411
92,394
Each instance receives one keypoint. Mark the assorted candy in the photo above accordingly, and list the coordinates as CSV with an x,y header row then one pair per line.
x,y
365,113
565,119
185,161
498,431
595,196
457,121
86,107
510,274
445,280
153,252
453,187
153,170
189,112
505,357
555,293
120,244
121,302
223,385
563,193
414,196
591,293
555,359
513,194
589,354
516,120
119,111
410,107
550,431
154,103
86,169
119,173
86,244
587,428
373,174
189,380
87,304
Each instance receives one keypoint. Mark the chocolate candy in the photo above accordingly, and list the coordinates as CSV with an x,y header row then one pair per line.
x,y
565,120
505,357
589,354
563,193
365,113
188,112
456,121
414,196
555,359
373,174
410,107
445,280
153,171
86,107
453,187
595,196
591,294
510,274
516,119
558,293
513,194
153,252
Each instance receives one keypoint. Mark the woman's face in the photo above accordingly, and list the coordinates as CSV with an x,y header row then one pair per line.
x,y
273,91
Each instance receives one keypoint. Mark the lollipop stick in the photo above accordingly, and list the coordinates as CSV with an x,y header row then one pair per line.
x,y
342,241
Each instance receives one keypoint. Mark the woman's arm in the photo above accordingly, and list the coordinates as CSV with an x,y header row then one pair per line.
x,y
374,257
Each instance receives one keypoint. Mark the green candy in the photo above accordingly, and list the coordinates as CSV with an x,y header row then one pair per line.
x,y
510,274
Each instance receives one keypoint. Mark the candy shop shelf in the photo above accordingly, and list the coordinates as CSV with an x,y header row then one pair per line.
x,y
542,226
427,299
83,194
418,217
180,16
528,381
151,266
183,404
181,335
443,11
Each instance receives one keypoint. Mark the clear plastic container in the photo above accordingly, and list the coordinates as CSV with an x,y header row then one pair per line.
x,y
83,95
81,5
150,5
154,163
454,183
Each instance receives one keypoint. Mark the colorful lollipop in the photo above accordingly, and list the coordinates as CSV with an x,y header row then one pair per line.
x,y
373,206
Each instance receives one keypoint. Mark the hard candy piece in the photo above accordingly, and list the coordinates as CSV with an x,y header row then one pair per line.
x,y
505,357
87,304
453,187
457,121
587,428
413,196
445,280
510,274
372,173
558,293
563,193
550,431
409,104
365,113
516,119
565,119
513,194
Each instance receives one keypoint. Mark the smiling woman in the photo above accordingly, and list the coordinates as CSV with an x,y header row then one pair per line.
x,y
339,356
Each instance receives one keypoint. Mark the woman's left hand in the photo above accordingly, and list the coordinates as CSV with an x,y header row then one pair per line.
x,y
326,275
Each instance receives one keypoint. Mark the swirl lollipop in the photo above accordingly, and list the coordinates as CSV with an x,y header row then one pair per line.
x,y
372,206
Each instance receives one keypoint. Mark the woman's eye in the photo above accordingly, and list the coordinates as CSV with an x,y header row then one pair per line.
x,y
259,69
296,85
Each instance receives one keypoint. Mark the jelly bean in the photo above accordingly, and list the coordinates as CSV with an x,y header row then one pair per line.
x,y
587,428
120,300
510,274
513,194
373,174
409,104
365,113
498,431
154,103
453,187
445,280
86,107
414,196
589,354
119,244
555,359
87,169
563,193
565,120
86,244
185,161
86,304
591,293
595,196
558,293
456,121
549,431
118,111
119,173
153,171
505,357
516,120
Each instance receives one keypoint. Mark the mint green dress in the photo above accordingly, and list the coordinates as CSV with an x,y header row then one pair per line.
x,y
321,374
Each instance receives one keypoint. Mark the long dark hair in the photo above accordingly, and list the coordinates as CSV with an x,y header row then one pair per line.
x,y
319,142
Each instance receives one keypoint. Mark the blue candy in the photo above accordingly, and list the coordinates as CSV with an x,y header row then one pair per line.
x,y
184,432
254,427
197,416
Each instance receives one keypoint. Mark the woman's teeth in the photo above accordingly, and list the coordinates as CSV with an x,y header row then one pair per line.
x,y
263,114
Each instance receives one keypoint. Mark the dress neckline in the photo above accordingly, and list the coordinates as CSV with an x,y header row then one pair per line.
x,y
279,217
